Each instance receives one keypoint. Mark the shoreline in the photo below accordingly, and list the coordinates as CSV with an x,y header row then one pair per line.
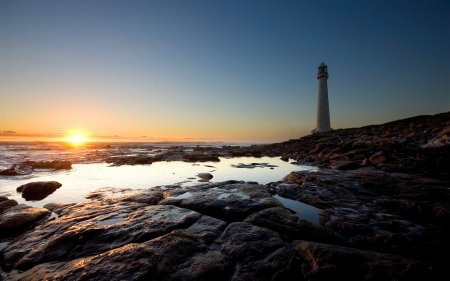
x,y
383,193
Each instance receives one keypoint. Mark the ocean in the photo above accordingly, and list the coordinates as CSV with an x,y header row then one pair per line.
x,y
89,171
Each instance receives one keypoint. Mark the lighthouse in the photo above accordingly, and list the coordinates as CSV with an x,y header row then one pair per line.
x,y
323,110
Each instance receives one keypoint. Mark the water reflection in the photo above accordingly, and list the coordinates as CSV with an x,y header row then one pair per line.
x,y
302,210
84,178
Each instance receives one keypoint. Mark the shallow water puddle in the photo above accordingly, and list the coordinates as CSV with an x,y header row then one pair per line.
x,y
53,216
3,245
112,220
182,196
223,195
302,210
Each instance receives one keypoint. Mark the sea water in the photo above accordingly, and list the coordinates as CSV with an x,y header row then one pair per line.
x,y
89,175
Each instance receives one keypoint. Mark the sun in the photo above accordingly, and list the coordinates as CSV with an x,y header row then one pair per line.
x,y
77,138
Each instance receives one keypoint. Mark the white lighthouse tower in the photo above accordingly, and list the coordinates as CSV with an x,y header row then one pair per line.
x,y
323,111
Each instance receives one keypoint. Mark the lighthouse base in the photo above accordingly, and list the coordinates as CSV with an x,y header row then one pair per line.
x,y
316,131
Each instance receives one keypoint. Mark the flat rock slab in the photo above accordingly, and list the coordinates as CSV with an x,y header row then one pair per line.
x,y
90,227
225,201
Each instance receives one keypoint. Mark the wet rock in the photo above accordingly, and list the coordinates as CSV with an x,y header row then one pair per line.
x,y
56,164
391,168
20,216
178,255
290,227
368,203
259,254
344,165
9,172
205,176
57,207
322,159
328,262
208,229
253,165
6,204
226,201
366,162
89,228
201,158
38,190
112,195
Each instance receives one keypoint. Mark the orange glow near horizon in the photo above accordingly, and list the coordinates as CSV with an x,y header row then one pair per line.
x,y
77,137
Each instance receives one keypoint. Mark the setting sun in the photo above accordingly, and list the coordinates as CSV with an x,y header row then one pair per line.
x,y
77,138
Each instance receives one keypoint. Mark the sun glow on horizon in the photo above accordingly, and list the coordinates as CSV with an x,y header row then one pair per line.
x,y
77,138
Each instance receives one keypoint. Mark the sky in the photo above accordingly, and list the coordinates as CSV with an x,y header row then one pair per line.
x,y
235,71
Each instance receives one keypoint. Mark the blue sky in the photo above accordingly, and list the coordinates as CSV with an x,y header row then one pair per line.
x,y
218,70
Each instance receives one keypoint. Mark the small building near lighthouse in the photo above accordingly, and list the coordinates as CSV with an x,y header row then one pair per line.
x,y
323,109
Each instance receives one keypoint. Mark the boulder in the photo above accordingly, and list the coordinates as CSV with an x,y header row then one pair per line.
x,y
205,176
38,190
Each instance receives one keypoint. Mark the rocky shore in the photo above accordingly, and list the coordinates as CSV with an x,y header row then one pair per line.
x,y
382,195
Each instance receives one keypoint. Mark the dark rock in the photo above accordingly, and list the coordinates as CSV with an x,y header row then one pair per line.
x,y
208,229
290,227
201,158
56,207
56,164
6,204
328,262
322,159
205,176
9,172
378,158
38,190
90,228
226,201
19,216
253,165
113,195
344,165
366,162
259,254
367,203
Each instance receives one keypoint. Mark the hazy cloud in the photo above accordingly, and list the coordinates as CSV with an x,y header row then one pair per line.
x,y
7,133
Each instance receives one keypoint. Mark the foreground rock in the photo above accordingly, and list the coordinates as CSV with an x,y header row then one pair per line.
x,y
374,210
38,190
222,231
229,201
15,219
